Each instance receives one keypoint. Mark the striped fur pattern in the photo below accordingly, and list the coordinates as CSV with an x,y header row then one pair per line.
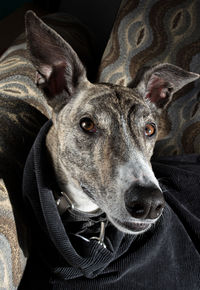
x,y
150,32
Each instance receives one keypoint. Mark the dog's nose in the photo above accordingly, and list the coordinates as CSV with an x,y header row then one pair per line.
x,y
144,202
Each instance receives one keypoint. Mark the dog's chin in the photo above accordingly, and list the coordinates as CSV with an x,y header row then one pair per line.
x,y
130,227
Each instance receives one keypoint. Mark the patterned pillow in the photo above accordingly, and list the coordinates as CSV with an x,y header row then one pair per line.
x,y
12,260
155,31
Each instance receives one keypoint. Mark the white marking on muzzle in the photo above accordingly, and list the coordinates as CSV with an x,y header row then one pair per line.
x,y
136,170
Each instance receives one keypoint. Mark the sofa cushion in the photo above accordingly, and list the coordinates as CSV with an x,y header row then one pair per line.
x,y
149,32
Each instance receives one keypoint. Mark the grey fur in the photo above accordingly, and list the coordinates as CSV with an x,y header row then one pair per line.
x,y
100,167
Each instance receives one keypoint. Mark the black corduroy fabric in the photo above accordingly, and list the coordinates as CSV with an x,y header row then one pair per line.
x,y
165,257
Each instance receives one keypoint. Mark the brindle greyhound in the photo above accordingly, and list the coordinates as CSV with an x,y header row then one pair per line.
x,y
103,135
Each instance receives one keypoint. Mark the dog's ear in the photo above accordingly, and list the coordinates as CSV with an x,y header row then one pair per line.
x,y
58,66
160,82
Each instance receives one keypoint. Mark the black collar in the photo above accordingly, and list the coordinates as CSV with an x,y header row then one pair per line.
x,y
84,225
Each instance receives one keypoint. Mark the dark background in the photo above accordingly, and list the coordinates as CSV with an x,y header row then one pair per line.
x,y
98,15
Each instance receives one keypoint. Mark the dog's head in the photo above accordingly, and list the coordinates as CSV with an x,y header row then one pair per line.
x,y
103,135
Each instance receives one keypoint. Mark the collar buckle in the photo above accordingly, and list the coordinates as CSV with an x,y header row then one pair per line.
x,y
64,203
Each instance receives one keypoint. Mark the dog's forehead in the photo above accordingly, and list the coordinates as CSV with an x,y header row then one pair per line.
x,y
114,94
106,98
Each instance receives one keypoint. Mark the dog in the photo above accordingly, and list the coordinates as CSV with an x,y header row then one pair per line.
x,y
103,135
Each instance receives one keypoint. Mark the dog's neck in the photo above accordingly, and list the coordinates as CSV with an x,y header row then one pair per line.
x,y
79,199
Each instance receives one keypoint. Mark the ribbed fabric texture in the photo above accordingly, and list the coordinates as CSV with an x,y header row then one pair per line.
x,y
165,257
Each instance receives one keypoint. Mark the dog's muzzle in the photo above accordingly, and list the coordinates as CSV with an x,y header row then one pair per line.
x,y
144,205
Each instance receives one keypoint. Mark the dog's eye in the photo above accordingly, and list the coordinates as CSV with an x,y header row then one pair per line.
x,y
87,125
150,129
